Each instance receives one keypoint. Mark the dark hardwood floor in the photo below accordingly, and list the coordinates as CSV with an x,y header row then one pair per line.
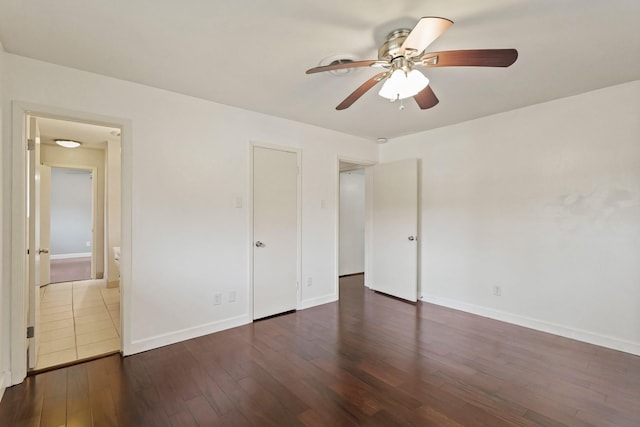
x,y
368,360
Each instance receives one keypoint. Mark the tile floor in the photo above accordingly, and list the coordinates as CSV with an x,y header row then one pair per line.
x,y
77,320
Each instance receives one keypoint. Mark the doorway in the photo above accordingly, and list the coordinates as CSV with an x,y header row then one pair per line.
x,y
76,310
388,217
352,220
70,224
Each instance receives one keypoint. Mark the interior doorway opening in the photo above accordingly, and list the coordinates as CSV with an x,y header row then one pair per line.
x,y
352,220
70,225
74,214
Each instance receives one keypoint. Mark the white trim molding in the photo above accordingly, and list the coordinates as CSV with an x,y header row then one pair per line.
x,y
3,384
312,302
538,325
138,346
69,256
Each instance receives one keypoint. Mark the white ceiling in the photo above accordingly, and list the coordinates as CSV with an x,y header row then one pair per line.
x,y
253,54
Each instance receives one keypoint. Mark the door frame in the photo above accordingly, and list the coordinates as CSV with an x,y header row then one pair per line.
x,y
18,273
298,153
365,163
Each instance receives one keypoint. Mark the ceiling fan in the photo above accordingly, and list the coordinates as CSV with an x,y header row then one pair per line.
x,y
404,51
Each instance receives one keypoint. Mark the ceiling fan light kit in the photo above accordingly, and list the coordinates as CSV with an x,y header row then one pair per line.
x,y
404,50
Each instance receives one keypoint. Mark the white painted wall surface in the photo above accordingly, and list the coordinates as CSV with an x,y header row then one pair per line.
x,y
71,211
113,208
543,201
352,215
190,162
4,289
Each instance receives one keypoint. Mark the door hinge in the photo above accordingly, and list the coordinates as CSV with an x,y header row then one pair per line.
x,y
31,144
31,332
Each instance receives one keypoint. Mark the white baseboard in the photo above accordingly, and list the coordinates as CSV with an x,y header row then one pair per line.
x,y
539,325
162,340
69,256
317,301
3,384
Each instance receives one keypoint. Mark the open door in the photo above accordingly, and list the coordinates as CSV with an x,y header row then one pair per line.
x,y
394,229
45,224
35,249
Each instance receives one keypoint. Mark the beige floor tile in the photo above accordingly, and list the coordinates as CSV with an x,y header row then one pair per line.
x,y
66,286
54,302
92,317
56,324
58,309
56,345
55,290
95,329
56,358
87,328
57,294
56,334
88,283
112,307
88,303
96,336
87,311
101,347
56,316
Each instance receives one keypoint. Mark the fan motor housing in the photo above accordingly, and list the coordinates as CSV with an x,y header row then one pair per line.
x,y
391,48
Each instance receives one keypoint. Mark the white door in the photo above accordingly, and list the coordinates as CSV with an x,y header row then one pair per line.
x,y
35,249
275,231
394,229
45,224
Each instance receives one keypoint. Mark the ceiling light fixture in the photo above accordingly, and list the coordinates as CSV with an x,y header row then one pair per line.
x,y
404,82
67,143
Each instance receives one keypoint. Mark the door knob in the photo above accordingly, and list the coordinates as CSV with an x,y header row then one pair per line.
x,y
43,251
259,244
412,238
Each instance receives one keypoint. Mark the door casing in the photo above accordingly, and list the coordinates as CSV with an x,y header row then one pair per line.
x,y
18,215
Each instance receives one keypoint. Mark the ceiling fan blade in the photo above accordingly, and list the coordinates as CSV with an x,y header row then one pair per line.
x,y
356,94
423,34
470,58
426,98
341,66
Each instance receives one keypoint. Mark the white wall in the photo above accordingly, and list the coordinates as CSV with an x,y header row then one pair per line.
x,y
190,161
543,201
352,215
71,211
113,208
4,289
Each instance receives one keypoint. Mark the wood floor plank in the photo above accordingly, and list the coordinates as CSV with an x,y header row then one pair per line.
x,y
367,360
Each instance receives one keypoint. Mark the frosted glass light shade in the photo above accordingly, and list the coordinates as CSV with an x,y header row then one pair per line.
x,y
67,143
401,85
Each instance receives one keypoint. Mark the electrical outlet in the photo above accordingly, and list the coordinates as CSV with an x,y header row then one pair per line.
x,y
217,298
309,281
88,244
231,297
497,291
